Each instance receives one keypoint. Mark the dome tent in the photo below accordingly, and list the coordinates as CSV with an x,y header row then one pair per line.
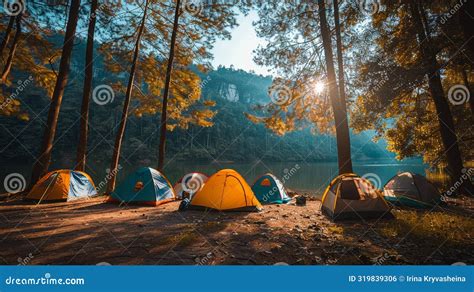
x,y
226,190
269,190
145,186
411,189
190,184
349,196
62,185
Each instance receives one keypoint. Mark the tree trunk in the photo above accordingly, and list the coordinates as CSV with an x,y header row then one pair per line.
x,y
8,65
89,73
126,104
42,163
445,118
6,37
340,62
162,145
340,118
465,78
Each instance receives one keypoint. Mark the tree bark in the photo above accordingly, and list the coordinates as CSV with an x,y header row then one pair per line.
x,y
465,78
126,104
162,145
89,73
340,117
340,61
8,65
445,118
6,37
42,163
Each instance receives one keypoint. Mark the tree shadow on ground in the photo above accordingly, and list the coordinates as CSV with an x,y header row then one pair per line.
x,y
92,232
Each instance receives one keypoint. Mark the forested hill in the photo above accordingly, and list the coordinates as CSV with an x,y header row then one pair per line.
x,y
232,138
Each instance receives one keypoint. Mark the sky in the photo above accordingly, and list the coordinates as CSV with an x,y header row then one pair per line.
x,y
238,50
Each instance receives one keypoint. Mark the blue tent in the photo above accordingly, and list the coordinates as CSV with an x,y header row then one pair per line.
x,y
269,190
145,186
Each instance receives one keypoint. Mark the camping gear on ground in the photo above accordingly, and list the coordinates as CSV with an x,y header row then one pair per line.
x,y
300,200
146,186
269,190
411,189
226,190
349,196
184,205
63,185
190,184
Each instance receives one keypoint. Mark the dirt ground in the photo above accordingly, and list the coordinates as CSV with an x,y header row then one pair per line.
x,y
92,232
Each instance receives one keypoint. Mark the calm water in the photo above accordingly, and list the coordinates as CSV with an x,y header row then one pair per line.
x,y
300,176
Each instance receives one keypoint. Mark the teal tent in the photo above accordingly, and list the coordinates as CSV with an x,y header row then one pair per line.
x,y
145,186
269,190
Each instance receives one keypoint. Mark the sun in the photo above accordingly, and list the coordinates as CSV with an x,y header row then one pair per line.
x,y
319,87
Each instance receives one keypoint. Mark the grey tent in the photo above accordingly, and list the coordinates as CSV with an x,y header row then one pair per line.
x,y
411,189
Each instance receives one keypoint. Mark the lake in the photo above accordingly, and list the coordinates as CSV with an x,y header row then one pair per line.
x,y
309,177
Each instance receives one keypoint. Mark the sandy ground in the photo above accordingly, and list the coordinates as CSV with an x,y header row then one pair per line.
x,y
91,232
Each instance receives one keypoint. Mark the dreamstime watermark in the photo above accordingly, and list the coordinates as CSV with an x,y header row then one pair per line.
x,y
44,280
25,261
459,94
103,94
110,174
14,7
206,260
22,84
192,183
288,174
381,259
377,86
193,7
201,86
453,11
466,176
370,7
14,183
374,179
280,94
209,257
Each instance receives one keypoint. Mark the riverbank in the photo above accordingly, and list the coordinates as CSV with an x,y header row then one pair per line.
x,y
91,232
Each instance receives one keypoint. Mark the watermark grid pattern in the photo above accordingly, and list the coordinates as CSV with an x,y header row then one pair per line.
x,y
35,211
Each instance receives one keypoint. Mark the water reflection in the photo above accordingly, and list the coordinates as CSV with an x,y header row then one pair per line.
x,y
311,177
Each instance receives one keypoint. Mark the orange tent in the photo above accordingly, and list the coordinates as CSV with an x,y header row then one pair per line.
x,y
63,185
226,190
